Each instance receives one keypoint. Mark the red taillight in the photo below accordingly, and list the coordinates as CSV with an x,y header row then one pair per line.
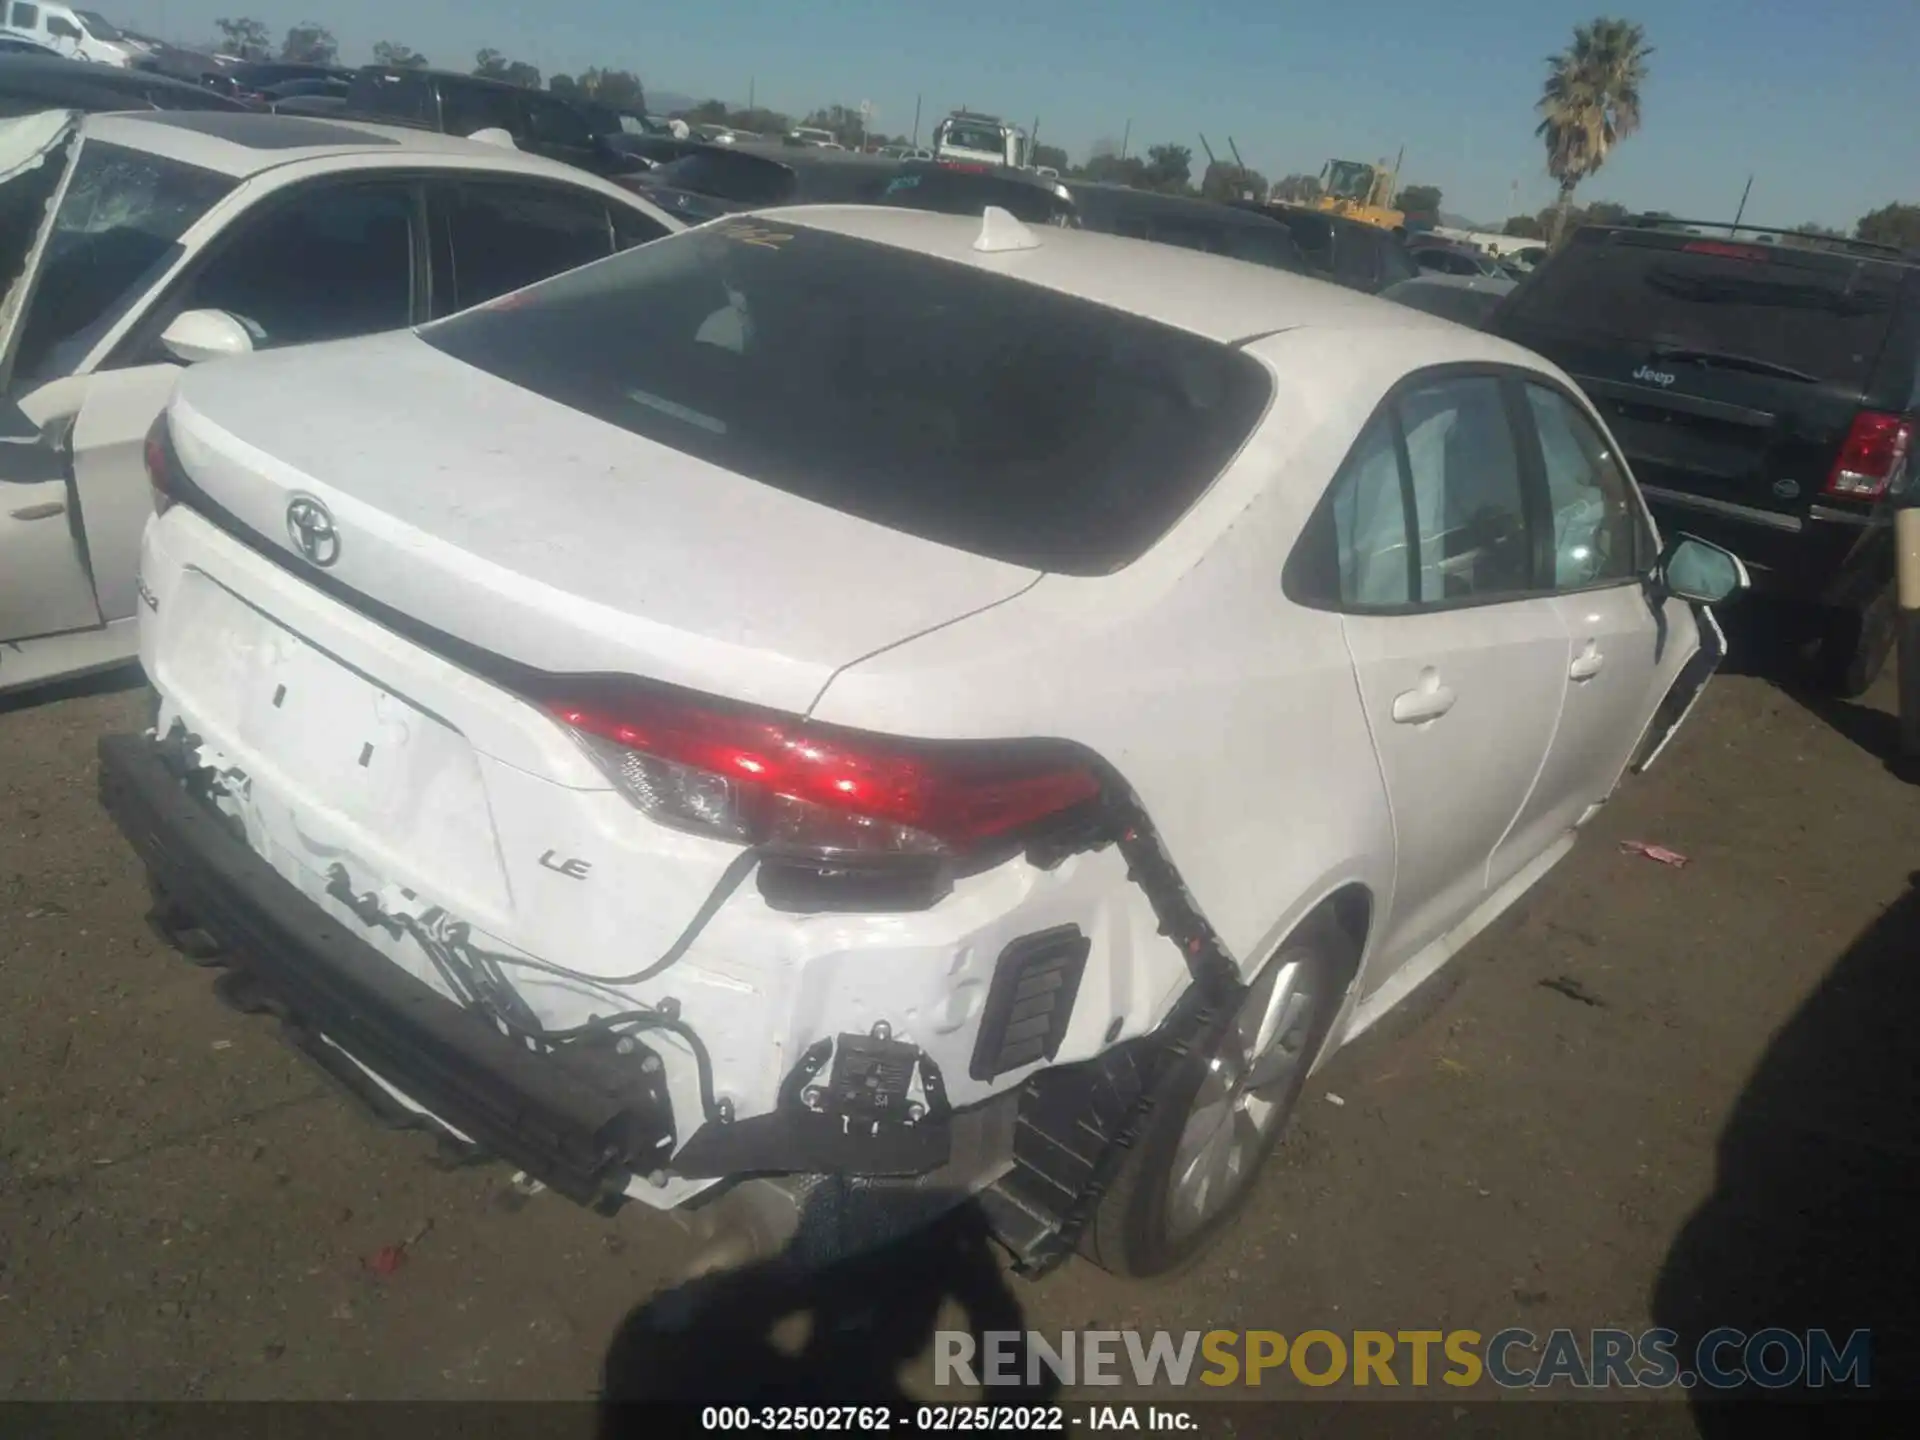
x,y
162,465
1726,251
1874,457
771,780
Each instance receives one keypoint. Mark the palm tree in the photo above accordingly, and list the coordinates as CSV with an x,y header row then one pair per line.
x,y
1591,102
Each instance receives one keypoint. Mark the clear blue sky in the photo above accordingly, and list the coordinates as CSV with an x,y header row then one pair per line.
x,y
1820,99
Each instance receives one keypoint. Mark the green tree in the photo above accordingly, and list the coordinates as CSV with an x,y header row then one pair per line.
x,y
492,65
1891,225
1224,180
1526,227
1051,157
389,52
1110,169
310,44
1421,201
619,88
843,122
1590,102
245,37
1297,189
1169,167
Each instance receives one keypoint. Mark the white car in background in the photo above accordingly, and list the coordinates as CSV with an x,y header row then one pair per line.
x,y
164,239
76,34
869,692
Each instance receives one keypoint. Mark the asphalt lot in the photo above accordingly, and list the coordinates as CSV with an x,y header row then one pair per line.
x,y
1685,1095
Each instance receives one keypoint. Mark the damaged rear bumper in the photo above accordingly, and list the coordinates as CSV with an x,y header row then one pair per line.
x,y
583,1120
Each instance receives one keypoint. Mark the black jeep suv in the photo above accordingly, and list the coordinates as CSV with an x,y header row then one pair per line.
x,y
1764,386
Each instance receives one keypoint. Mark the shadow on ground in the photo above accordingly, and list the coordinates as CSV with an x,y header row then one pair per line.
x,y
1812,1220
851,1327
1774,641
100,682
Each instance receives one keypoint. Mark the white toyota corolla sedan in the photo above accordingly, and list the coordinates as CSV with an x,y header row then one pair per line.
x,y
870,693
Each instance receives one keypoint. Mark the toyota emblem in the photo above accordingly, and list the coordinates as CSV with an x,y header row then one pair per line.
x,y
310,528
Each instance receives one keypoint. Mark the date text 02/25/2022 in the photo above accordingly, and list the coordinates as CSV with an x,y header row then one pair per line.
x,y
941,1419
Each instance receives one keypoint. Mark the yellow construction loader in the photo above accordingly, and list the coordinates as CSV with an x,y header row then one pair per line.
x,y
1361,192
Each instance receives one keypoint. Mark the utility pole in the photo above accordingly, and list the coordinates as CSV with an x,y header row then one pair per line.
x,y
750,104
916,122
1125,136
1513,199
1743,204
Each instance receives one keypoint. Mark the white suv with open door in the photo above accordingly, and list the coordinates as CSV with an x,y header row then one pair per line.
x,y
886,695
134,245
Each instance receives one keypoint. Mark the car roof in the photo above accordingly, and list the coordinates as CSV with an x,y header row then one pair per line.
x,y
244,143
1222,299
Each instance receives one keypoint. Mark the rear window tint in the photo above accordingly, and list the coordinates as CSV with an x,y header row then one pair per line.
x,y
929,396
1823,318
951,192
743,179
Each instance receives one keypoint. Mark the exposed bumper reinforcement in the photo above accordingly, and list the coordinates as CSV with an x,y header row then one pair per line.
x,y
574,1118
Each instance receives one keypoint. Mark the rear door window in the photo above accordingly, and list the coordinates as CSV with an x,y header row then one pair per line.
x,y
506,236
467,108
399,97
1824,316
24,17
938,399
554,122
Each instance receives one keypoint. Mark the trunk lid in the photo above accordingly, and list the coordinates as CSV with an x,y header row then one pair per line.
x,y
1729,371
517,525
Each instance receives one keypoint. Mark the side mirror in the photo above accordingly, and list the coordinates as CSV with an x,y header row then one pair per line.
x,y
1694,569
197,335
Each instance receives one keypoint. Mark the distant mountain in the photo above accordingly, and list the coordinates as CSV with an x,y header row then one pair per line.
x,y
1460,222
665,102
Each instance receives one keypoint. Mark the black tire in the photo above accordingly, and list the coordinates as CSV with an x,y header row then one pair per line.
x,y
1854,647
1134,1232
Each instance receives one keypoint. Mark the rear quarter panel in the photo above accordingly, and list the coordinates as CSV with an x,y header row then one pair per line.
x,y
1232,712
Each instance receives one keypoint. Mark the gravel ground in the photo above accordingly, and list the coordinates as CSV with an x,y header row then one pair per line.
x,y
1650,1094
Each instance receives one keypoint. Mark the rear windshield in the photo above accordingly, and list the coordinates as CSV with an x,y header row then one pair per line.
x,y
954,192
404,97
729,175
941,400
1449,302
1824,317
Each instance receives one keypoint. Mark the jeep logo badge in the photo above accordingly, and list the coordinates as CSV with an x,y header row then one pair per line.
x,y
1787,489
310,528
1653,376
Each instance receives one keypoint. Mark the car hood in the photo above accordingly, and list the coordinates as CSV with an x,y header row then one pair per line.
x,y
530,530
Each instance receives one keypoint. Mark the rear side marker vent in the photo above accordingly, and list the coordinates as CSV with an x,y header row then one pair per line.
x,y
1030,1001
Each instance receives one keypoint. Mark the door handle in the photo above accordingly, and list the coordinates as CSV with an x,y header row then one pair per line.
x,y
1429,702
1586,664
45,511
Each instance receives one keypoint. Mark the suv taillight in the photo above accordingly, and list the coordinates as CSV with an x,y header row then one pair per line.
x,y
766,779
163,466
1874,456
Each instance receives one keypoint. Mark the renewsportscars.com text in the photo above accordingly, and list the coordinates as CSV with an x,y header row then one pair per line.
x,y
1723,1359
